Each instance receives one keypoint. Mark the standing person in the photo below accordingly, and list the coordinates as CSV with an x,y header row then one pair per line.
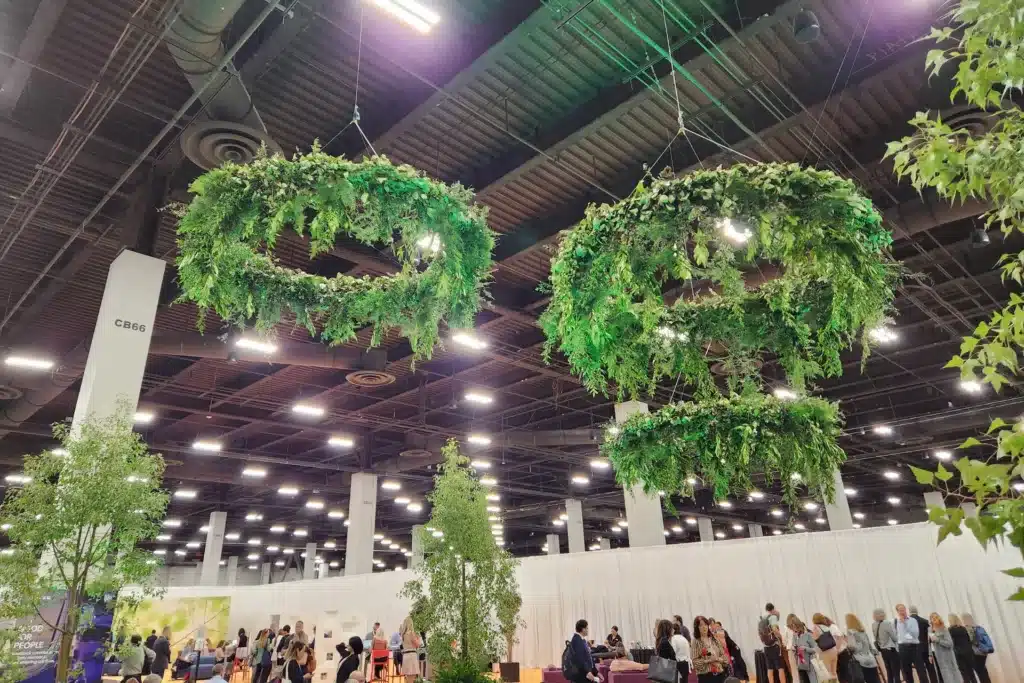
x,y
981,645
162,652
663,639
348,667
295,662
707,654
683,631
908,636
771,639
581,656
301,635
829,639
804,649
738,666
135,659
885,642
862,650
922,627
614,639
263,655
410,645
942,644
151,639
962,649
681,647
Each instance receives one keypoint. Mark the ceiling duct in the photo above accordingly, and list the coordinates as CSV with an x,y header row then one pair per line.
x,y
234,130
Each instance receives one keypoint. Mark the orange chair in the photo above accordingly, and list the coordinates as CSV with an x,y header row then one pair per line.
x,y
380,665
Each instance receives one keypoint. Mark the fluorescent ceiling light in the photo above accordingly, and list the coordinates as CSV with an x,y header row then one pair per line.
x,y
272,548
469,340
185,493
341,442
301,533
144,417
172,523
971,386
481,464
29,362
256,345
479,439
288,491
776,512
415,507
882,430
943,455
580,479
314,504
859,515
850,491
719,534
288,551
403,500
883,335
206,446
756,495
391,485
819,520
232,536
493,497
309,410
335,514
488,481
891,475
254,541
784,393
477,397
193,544
252,556
254,472
600,464
278,529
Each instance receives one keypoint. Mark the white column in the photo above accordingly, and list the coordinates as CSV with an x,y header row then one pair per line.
x,y
970,509
554,544
417,546
755,530
574,525
838,513
362,520
309,567
213,548
120,342
707,532
934,499
265,574
643,511
232,573
325,571
605,544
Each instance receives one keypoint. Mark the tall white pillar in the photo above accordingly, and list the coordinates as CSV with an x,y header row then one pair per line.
x,y
309,566
120,342
362,520
213,548
605,543
574,525
755,530
325,570
934,499
643,511
838,512
417,546
554,544
970,509
232,573
707,532
265,574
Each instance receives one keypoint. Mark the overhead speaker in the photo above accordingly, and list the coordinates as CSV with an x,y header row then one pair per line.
x,y
806,28
208,144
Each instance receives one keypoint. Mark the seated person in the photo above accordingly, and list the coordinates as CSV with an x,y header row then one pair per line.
x,y
613,639
621,663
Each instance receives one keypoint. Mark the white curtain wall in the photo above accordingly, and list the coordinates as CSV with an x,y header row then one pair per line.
x,y
829,572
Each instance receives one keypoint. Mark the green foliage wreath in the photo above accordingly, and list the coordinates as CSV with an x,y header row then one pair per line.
x,y
610,313
722,441
227,235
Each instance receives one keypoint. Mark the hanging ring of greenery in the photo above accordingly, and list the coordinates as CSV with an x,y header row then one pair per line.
x,y
617,271
227,235
723,441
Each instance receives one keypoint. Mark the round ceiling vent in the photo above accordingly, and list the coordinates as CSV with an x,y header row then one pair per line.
x,y
211,143
415,453
369,378
9,393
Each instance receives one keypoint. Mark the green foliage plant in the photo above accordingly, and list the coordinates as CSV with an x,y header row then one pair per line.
x,y
612,280
983,47
466,596
723,440
227,236
75,522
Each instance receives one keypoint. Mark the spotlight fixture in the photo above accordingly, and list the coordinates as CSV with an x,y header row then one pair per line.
x,y
943,455
288,491
28,362
850,491
979,238
422,19
144,417
891,475
580,479
206,446
335,514
247,344
806,28
469,340
309,410
971,386
883,430
479,439
403,500
254,472
893,500
776,512
314,504
341,442
390,485
479,398
414,507
600,464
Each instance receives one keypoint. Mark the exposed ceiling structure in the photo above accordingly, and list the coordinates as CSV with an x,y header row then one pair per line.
x,y
108,110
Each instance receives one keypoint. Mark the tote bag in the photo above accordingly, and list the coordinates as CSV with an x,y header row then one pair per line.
x,y
662,670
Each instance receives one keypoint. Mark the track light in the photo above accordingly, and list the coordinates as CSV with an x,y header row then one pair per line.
x,y
979,238
806,28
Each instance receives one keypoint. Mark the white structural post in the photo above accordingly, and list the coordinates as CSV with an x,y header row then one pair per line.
x,y
417,546
605,544
970,509
554,544
362,520
309,566
838,512
325,571
213,548
120,342
707,533
574,525
934,499
755,530
265,574
643,511
232,573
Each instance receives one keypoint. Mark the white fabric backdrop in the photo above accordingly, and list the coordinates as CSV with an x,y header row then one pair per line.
x,y
831,572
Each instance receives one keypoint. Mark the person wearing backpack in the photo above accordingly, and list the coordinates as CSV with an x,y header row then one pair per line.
x,y
577,661
768,632
982,646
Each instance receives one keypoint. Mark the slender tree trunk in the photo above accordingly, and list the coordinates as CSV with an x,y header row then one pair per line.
x,y
67,637
465,625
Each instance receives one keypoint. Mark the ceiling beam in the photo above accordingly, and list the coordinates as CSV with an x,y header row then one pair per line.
x,y
43,22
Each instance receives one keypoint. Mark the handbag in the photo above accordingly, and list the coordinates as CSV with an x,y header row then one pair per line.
x,y
662,670
826,641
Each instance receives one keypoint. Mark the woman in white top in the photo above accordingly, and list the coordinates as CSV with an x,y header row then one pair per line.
x,y
682,649
831,641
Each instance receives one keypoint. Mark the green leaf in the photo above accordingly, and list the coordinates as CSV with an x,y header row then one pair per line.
x,y
997,423
942,474
923,476
1016,572
1018,595
970,442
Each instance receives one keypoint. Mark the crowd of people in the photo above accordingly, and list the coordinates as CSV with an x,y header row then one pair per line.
x,y
954,650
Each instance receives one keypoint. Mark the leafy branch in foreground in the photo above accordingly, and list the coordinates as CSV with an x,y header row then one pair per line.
x,y
986,46
75,523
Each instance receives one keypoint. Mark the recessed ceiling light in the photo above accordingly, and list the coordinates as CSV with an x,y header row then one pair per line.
x,y
677,529
493,497
799,526
692,521
144,417
481,464
252,556
256,345
233,536
160,551
278,529
341,442
785,394
288,491
724,504
810,505
403,500
193,544
253,517
971,386
254,541
180,553
488,481
943,455
279,563
859,515
254,472
301,533
494,508
479,439
756,495
479,398
390,485
856,526
737,527
159,537
894,500
600,464
314,504
272,548
892,522
335,514
309,410
414,507
891,475
288,551
719,534
819,520
28,362
883,335
206,446
172,523
776,512
580,479
882,430
470,341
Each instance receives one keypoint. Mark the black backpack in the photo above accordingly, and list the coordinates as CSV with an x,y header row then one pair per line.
x,y
765,633
570,669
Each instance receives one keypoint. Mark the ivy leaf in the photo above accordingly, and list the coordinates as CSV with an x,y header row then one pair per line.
x,y
942,474
970,442
923,476
997,423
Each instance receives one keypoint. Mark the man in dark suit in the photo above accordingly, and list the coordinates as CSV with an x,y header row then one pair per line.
x,y
922,646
